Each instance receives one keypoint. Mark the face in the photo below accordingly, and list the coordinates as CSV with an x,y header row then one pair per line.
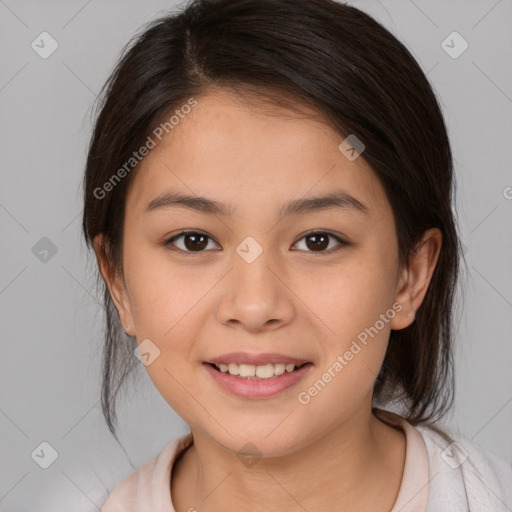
x,y
315,284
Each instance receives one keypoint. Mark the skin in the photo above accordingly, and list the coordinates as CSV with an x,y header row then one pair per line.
x,y
292,299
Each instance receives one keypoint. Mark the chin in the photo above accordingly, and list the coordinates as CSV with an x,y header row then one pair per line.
x,y
257,441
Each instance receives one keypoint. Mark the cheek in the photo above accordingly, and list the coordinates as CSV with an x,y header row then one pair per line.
x,y
357,310
167,311
351,297
354,304
162,294
168,305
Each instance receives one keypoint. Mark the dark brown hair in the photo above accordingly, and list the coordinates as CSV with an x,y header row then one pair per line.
x,y
353,72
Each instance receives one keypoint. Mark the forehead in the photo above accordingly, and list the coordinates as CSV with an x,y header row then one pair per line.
x,y
248,156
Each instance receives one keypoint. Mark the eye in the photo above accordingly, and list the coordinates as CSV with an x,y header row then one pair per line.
x,y
318,241
194,241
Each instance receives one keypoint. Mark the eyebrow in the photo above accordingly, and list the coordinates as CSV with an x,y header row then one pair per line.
x,y
339,199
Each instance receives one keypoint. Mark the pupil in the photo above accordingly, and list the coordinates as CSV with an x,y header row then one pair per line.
x,y
195,237
321,241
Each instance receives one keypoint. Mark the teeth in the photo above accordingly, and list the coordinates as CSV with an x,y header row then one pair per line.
x,y
263,371
246,370
279,369
233,369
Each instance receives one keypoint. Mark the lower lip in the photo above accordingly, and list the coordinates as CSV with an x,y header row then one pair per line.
x,y
252,388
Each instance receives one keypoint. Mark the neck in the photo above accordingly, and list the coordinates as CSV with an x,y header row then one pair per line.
x,y
357,465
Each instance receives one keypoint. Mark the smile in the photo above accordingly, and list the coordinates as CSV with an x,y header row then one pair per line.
x,y
256,381
256,372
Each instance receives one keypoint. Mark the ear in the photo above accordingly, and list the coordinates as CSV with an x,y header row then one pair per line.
x,y
116,286
414,280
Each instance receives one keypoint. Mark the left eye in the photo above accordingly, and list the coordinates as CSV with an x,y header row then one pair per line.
x,y
195,241
319,241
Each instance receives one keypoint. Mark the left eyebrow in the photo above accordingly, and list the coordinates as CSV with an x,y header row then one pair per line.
x,y
339,199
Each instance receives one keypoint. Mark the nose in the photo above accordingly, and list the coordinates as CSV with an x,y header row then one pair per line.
x,y
255,296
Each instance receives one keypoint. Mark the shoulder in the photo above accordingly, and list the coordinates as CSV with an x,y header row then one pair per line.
x,y
463,468
148,487
462,474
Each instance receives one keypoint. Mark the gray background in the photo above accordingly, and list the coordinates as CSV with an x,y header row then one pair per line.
x,y
52,322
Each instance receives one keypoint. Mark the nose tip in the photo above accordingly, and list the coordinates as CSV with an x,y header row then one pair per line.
x,y
254,298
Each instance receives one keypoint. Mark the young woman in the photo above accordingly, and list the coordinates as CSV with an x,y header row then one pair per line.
x,y
269,194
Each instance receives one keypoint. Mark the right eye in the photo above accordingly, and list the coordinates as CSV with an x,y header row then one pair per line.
x,y
193,241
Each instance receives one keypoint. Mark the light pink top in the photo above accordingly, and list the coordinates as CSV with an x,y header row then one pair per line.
x,y
438,476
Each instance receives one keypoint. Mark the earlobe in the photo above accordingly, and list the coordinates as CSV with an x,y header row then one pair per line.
x,y
115,286
415,279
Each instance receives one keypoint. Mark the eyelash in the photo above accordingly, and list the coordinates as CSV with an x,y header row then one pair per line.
x,y
342,243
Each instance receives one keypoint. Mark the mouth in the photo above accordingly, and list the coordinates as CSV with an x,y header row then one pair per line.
x,y
261,381
257,372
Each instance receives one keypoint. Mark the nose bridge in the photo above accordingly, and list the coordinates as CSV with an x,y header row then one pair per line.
x,y
254,295
251,263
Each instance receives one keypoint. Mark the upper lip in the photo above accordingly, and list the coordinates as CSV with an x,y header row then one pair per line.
x,y
256,359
